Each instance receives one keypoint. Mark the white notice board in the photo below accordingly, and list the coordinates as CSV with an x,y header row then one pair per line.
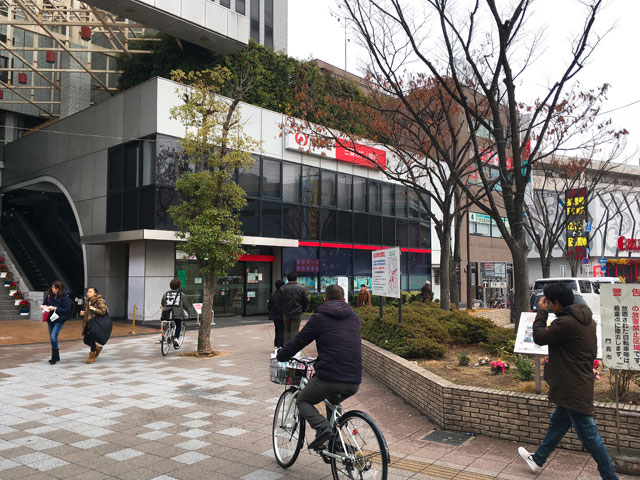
x,y
385,270
344,283
524,337
620,307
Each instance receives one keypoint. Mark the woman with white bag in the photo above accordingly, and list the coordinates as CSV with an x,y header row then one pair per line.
x,y
58,306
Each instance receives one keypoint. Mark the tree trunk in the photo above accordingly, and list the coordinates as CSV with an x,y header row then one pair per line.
x,y
546,266
453,282
204,333
521,299
455,263
445,268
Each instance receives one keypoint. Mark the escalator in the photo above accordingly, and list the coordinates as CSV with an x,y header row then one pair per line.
x,y
41,232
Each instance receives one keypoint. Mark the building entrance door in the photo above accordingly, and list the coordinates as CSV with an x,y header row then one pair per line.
x,y
258,287
229,292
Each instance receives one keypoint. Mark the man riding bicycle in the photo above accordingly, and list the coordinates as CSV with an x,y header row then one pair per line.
x,y
176,306
335,327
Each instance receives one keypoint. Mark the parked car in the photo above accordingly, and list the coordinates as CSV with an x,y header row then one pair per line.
x,y
597,281
535,299
584,287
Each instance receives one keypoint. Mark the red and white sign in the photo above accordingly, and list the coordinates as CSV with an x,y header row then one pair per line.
x,y
597,271
625,243
342,150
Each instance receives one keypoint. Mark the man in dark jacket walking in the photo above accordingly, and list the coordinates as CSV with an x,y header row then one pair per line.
x,y
275,315
335,327
293,300
572,342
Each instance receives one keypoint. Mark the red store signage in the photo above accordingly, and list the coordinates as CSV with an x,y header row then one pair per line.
x,y
625,243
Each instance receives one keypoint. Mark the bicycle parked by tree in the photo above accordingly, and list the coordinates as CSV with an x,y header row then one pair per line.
x,y
357,448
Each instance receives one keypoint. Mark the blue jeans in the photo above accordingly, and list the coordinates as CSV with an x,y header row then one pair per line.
x,y
586,430
54,330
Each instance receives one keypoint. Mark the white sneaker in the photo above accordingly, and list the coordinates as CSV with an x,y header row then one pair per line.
x,y
526,456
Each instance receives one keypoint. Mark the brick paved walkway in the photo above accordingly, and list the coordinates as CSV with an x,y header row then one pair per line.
x,y
137,415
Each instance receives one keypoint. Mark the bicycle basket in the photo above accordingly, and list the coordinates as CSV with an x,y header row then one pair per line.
x,y
287,373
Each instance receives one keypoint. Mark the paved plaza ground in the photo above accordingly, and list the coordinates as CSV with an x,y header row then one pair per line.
x,y
135,414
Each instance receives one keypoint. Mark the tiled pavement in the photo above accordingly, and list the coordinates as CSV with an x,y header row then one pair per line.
x,y
137,415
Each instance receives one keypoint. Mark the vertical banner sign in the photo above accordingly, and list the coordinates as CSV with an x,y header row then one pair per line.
x,y
577,217
620,307
385,269
344,283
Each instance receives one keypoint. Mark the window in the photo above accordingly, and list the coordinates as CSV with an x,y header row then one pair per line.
x,y
310,222
255,20
130,165
240,7
388,231
328,189
225,3
485,226
388,199
310,185
291,182
250,218
345,185
359,194
292,221
271,178
401,201
115,169
268,23
585,286
401,233
345,227
271,219
374,197
375,230
249,179
414,204
328,225
360,228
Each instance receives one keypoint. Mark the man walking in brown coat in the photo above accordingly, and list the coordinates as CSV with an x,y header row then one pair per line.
x,y
572,342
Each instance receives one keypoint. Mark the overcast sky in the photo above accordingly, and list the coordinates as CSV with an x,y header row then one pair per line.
x,y
314,33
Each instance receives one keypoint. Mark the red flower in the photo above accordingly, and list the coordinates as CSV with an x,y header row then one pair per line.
x,y
24,303
12,284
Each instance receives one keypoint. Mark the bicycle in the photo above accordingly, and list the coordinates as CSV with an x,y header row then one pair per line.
x,y
168,336
357,450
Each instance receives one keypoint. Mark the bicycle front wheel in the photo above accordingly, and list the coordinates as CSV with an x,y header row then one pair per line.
x,y
363,447
288,430
180,339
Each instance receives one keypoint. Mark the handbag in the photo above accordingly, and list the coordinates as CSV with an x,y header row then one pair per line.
x,y
100,328
45,315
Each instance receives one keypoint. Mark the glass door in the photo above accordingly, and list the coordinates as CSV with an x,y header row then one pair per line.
x,y
229,292
258,287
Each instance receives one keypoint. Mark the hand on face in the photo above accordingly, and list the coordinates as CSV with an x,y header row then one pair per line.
x,y
543,303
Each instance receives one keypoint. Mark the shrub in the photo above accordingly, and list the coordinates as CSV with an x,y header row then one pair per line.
x,y
500,341
418,336
524,368
466,329
463,359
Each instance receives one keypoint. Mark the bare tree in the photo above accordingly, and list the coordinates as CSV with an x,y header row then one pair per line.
x,y
479,56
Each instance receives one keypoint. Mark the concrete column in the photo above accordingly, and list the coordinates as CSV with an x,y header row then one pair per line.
x,y
75,88
107,271
151,268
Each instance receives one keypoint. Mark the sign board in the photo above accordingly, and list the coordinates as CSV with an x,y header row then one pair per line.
x,y
342,150
524,337
620,307
602,261
182,276
344,283
385,268
597,271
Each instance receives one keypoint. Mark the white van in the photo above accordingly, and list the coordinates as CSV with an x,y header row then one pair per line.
x,y
597,281
585,287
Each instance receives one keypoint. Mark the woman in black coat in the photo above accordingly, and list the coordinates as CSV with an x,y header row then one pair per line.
x,y
57,302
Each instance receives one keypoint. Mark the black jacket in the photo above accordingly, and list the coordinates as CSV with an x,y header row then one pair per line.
x,y
336,329
572,349
272,306
292,299
63,305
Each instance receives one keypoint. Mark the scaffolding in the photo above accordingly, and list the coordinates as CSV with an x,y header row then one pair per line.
x,y
57,52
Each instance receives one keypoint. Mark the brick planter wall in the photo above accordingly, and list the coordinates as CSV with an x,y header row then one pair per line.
x,y
520,417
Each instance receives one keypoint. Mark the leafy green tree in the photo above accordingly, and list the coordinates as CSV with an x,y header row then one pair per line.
x,y
265,78
210,201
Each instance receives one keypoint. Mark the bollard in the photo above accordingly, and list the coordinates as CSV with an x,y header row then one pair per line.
x,y
133,326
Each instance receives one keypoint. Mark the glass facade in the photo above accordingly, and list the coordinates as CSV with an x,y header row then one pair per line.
x,y
284,200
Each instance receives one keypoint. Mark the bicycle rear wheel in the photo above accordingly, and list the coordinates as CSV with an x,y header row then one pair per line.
x,y
165,341
364,446
288,430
